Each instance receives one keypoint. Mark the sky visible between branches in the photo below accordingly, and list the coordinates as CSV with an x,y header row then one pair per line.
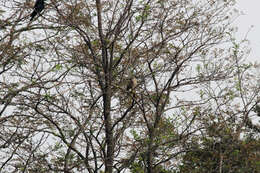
x,y
249,24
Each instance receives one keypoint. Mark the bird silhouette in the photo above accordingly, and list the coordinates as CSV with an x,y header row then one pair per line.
x,y
38,7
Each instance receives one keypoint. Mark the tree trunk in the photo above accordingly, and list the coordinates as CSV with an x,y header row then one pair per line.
x,y
109,132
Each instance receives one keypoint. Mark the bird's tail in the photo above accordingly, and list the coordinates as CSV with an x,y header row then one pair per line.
x,y
33,15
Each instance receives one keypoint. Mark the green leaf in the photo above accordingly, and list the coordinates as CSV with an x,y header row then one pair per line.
x,y
57,67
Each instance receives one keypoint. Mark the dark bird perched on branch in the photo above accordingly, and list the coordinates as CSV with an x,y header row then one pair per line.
x,y
38,7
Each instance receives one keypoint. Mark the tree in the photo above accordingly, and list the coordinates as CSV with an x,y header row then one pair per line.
x,y
67,108
230,140
226,155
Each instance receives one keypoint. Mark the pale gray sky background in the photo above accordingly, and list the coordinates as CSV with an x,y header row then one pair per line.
x,y
251,9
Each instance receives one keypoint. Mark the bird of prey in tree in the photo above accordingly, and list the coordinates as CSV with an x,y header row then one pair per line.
x,y
38,7
131,84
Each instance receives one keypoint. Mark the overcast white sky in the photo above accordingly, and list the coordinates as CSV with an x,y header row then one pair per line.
x,y
251,9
